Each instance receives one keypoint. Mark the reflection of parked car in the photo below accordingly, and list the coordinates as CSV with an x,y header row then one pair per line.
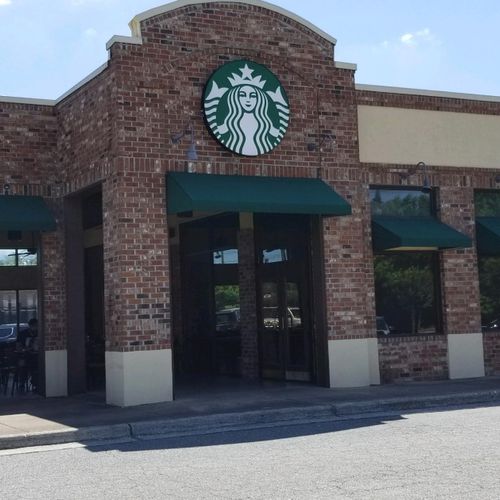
x,y
8,332
492,325
227,320
382,326
271,319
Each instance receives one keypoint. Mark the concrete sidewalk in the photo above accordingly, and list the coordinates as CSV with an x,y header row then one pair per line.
x,y
213,406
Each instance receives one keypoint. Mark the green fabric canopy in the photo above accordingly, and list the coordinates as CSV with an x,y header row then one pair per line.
x,y
25,213
236,193
488,235
390,233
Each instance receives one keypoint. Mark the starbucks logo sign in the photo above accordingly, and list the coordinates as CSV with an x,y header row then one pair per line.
x,y
246,108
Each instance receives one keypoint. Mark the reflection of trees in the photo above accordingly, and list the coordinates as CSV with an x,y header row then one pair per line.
x,y
489,284
415,203
487,203
404,284
227,296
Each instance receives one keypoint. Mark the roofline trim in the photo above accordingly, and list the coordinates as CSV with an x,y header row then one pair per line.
x,y
135,23
428,93
134,40
27,100
345,65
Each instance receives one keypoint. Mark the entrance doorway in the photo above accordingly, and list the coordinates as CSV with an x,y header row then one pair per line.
x,y
283,296
214,330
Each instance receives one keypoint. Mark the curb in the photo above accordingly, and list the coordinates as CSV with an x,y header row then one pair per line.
x,y
223,422
44,438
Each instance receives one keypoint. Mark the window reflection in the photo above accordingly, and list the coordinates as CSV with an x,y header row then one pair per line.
x,y
405,293
489,285
275,255
229,256
400,202
18,257
487,203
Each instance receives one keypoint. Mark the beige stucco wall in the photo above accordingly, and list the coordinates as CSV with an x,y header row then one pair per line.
x,y
441,138
353,362
139,377
466,355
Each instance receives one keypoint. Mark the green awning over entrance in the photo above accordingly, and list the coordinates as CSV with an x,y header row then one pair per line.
x,y
25,213
488,235
236,193
415,233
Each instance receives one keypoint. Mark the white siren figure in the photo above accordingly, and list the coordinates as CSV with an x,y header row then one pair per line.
x,y
250,129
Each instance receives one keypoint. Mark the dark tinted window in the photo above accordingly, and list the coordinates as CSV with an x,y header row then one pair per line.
x,y
405,292
487,203
400,202
489,285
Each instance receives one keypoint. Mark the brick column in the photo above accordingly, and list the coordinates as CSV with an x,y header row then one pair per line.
x,y
460,288
137,285
350,295
53,307
248,299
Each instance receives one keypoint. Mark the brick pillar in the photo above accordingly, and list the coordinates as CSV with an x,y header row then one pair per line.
x,y
137,285
350,295
248,299
460,288
53,307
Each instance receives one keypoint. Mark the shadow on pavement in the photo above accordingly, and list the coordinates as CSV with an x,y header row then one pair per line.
x,y
241,436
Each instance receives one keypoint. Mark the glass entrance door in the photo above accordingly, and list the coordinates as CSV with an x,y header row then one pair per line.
x,y
283,297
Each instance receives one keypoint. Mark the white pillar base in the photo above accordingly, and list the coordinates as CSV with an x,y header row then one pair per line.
x,y
465,355
56,373
138,377
353,362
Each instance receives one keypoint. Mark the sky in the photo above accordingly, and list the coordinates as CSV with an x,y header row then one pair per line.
x,y
47,46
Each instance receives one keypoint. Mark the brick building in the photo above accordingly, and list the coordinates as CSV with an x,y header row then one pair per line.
x,y
221,199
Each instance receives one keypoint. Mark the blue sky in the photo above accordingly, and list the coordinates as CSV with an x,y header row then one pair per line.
x,y
47,46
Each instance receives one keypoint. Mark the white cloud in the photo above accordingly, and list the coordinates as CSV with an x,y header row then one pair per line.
x,y
418,37
90,32
5,2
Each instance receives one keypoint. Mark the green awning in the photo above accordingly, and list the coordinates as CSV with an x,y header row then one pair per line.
x,y
236,193
415,233
488,235
25,213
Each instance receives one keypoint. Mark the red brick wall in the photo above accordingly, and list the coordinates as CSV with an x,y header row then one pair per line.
x,y
413,358
491,344
28,135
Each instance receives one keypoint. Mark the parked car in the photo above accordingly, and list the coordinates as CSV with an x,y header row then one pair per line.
x,y
8,332
227,320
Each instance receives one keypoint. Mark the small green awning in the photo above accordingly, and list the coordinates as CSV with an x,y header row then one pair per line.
x,y
415,233
25,213
488,235
236,193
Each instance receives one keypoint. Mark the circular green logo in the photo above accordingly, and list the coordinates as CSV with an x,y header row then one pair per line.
x,y
246,108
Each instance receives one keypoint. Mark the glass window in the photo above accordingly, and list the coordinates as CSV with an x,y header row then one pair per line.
x,y
489,285
27,257
276,255
7,257
405,293
18,257
17,307
400,202
229,256
487,203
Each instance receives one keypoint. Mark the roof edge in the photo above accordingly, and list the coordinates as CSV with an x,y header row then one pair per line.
x,y
27,100
428,93
135,23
